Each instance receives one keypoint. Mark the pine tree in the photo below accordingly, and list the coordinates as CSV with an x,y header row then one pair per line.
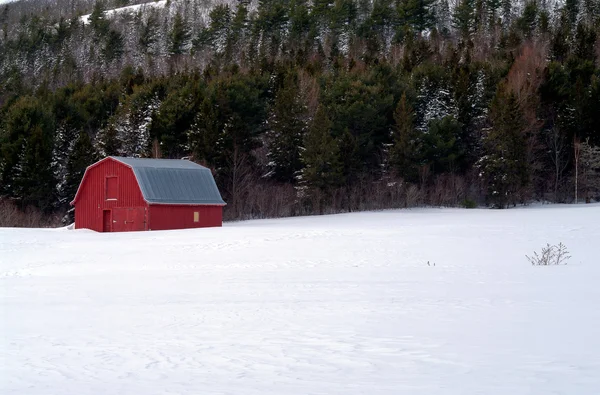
x,y
300,26
443,17
113,47
571,9
132,124
405,154
287,126
505,166
27,147
463,18
4,14
492,7
441,145
148,35
98,20
507,13
179,36
527,22
218,33
81,156
420,14
590,12
321,156
435,100
64,140
107,141
203,137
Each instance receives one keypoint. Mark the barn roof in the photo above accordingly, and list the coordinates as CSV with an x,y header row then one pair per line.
x,y
173,181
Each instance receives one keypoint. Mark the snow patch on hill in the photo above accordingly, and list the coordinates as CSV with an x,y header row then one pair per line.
x,y
128,9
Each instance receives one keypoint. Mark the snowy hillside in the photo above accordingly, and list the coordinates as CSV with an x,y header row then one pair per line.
x,y
129,9
342,304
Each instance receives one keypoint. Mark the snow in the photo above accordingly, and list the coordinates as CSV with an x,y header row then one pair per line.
x,y
128,9
343,304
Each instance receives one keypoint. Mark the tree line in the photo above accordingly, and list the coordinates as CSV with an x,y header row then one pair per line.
x,y
317,107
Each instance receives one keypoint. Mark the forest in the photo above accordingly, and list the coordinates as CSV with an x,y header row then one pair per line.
x,y
305,107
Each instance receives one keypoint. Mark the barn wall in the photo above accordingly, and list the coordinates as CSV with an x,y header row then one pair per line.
x,y
162,217
91,202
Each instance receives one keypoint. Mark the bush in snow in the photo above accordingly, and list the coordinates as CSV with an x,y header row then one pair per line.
x,y
550,255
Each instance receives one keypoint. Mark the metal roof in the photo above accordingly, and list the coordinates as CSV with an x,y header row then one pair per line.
x,y
173,181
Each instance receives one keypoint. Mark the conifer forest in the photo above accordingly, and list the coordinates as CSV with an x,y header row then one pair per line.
x,y
306,107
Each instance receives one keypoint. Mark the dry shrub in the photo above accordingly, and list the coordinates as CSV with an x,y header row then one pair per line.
x,y
263,198
550,255
447,190
12,216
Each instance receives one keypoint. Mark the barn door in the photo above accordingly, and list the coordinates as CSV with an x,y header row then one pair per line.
x,y
136,218
129,219
106,221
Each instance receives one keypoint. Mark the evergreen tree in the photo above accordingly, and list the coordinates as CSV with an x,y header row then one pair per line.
x,y
179,36
321,156
571,9
435,99
443,17
377,29
590,12
113,47
107,141
441,147
585,40
301,24
527,22
26,147
507,13
492,7
98,21
405,154
463,18
65,137
270,21
81,156
203,138
420,14
505,166
360,108
218,33
559,44
148,35
287,126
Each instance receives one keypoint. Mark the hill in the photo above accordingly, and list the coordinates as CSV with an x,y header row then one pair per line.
x,y
307,107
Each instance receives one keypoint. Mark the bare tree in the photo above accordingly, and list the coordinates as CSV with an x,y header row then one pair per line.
x,y
558,154
590,162
577,152
239,180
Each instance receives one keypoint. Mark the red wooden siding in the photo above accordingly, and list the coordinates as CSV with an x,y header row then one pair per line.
x,y
91,197
163,216
128,219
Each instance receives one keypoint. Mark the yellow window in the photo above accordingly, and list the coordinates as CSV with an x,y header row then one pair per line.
x,y
196,216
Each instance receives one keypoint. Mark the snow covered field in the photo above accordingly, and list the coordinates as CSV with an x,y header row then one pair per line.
x,y
341,304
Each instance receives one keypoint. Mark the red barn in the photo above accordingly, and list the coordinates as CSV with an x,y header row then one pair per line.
x,y
129,194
